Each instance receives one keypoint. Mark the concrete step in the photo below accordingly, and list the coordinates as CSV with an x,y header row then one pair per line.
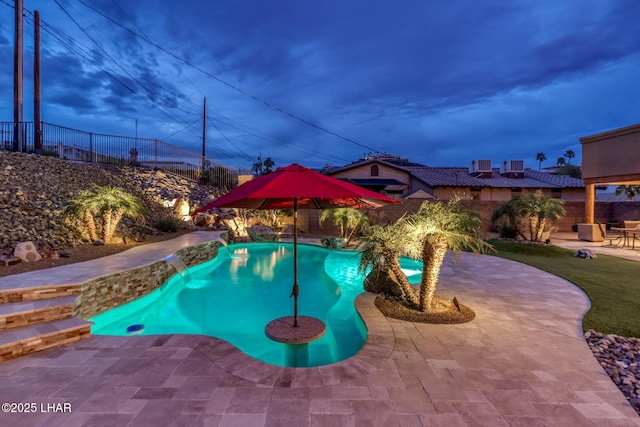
x,y
38,292
23,340
17,314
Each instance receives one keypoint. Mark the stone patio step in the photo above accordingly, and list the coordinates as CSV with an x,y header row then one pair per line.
x,y
28,339
38,292
16,314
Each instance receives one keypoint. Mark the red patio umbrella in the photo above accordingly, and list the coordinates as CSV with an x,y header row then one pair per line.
x,y
298,187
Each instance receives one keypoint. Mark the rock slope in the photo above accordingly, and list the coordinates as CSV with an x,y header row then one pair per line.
x,y
34,189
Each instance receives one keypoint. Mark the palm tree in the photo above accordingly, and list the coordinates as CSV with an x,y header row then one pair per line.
x,y
439,227
383,246
541,209
569,154
507,218
629,190
111,203
540,157
84,206
561,161
348,220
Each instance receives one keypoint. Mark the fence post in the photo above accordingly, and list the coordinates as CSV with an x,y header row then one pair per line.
x,y
90,147
155,154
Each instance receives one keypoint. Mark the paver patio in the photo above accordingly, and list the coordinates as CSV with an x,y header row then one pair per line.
x,y
521,361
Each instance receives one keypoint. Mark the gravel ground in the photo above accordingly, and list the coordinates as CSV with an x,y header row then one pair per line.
x,y
619,357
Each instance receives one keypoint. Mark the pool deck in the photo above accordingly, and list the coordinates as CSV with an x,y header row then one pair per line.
x,y
521,361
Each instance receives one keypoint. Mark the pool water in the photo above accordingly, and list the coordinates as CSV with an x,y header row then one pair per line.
x,y
235,295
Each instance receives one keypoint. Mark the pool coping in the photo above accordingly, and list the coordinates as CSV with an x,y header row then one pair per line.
x,y
374,353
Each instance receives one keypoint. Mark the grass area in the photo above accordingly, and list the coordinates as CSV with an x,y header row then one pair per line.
x,y
612,284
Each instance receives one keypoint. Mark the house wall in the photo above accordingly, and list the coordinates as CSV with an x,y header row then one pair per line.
x,y
499,194
384,172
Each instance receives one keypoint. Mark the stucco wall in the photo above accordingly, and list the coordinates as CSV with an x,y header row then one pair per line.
x,y
364,172
608,156
106,292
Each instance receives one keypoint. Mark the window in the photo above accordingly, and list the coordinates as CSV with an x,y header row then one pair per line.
x,y
374,170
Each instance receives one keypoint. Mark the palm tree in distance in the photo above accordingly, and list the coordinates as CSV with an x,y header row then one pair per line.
x,y
541,210
561,161
110,203
348,221
540,157
535,209
629,190
569,154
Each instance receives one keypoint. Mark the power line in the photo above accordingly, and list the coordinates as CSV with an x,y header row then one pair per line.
x,y
243,153
218,79
180,130
287,144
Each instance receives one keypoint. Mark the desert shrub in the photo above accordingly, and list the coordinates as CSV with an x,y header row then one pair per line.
x,y
167,225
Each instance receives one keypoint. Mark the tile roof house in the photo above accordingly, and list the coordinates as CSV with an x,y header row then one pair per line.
x,y
400,178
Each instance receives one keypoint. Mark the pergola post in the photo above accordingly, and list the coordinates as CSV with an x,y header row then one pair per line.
x,y
589,203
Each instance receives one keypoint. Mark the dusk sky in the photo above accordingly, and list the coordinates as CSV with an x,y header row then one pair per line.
x,y
440,83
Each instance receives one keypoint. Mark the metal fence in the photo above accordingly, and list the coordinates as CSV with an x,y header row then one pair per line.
x,y
76,145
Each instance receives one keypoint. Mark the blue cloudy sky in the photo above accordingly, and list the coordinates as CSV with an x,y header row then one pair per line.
x,y
440,83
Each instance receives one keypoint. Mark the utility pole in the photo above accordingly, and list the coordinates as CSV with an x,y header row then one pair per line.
x,y
204,135
18,76
37,143
204,128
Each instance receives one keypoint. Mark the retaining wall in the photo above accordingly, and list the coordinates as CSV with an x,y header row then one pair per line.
x,y
109,291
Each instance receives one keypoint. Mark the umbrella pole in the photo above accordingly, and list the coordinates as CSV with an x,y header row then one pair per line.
x,y
296,289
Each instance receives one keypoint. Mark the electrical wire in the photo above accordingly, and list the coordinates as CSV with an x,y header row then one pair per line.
x,y
231,86
84,53
148,92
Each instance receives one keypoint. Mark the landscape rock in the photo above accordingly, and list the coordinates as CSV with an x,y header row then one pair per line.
x,y
619,357
35,188
27,252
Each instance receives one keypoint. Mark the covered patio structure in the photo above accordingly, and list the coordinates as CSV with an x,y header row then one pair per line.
x,y
612,158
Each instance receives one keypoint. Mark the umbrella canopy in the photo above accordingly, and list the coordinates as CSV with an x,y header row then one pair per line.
x,y
298,187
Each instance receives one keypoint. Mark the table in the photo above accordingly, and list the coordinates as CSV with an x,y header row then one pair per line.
x,y
628,235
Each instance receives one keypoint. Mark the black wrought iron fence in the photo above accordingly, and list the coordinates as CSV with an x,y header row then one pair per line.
x,y
75,145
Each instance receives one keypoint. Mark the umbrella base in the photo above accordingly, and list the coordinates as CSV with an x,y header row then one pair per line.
x,y
282,330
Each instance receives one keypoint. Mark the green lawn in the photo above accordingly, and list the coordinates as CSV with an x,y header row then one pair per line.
x,y
612,284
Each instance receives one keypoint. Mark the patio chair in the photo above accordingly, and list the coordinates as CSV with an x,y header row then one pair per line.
x,y
610,236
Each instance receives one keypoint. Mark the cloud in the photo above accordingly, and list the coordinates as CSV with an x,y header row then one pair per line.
x,y
439,82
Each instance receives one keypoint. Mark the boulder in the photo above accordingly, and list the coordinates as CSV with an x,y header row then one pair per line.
x,y
333,242
204,219
27,252
261,233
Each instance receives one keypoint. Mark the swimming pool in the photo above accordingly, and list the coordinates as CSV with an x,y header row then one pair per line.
x,y
235,295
